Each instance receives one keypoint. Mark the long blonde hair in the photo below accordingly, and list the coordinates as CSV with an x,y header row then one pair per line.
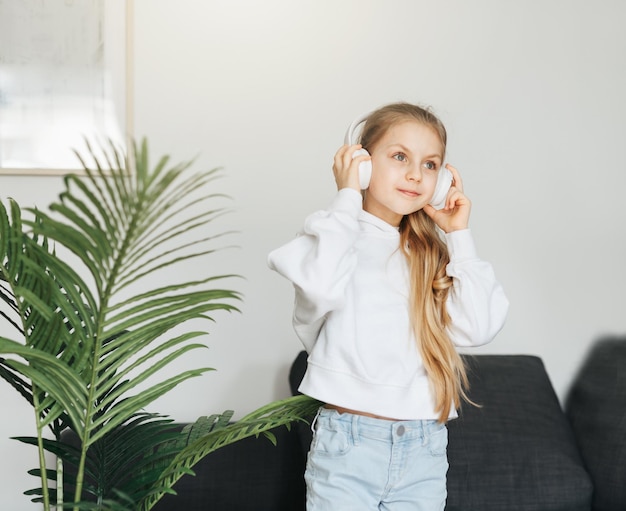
x,y
427,257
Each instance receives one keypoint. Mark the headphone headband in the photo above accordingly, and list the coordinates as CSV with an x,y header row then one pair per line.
x,y
353,134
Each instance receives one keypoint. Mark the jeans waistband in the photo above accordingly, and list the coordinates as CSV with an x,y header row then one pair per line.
x,y
380,429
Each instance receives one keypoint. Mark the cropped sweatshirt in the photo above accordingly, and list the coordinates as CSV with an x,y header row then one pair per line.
x,y
352,309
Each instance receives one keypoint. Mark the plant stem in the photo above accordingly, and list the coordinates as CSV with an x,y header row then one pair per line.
x,y
80,474
59,483
42,458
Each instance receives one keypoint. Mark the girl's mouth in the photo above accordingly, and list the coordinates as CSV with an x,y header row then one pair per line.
x,y
409,193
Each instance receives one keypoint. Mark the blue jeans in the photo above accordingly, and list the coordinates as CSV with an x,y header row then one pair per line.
x,y
361,463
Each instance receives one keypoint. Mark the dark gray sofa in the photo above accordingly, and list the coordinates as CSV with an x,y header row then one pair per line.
x,y
519,451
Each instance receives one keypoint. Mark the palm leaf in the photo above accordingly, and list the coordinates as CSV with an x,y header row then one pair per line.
x,y
126,461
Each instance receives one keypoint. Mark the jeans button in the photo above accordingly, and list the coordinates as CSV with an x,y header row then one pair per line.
x,y
400,431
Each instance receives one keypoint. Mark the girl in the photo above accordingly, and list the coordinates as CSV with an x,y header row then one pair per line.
x,y
386,287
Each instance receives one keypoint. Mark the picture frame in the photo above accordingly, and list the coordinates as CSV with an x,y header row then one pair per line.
x,y
65,82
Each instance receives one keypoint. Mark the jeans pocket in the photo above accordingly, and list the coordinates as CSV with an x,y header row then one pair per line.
x,y
438,441
329,441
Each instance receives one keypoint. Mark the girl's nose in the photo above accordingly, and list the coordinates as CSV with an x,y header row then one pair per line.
x,y
414,173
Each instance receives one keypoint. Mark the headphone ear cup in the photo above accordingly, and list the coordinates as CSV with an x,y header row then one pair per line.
x,y
365,169
352,136
444,181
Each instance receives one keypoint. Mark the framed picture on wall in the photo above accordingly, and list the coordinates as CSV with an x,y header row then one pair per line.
x,y
65,71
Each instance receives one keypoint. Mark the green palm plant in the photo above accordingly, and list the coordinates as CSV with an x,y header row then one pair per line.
x,y
92,332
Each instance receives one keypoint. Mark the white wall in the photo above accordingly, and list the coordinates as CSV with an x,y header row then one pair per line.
x,y
532,95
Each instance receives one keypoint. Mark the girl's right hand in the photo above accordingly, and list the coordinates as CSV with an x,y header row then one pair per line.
x,y
346,168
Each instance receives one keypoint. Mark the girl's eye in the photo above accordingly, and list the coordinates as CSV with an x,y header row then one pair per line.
x,y
400,157
430,165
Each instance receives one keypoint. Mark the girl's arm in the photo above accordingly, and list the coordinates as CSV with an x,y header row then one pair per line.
x,y
476,304
320,261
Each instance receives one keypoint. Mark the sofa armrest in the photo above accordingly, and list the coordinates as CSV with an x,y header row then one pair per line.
x,y
596,407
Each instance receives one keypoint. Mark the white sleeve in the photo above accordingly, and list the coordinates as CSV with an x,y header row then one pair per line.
x,y
320,261
476,304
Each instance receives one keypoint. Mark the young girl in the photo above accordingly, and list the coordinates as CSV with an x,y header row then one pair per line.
x,y
386,287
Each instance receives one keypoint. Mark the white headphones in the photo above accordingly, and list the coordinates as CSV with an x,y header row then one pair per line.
x,y
353,135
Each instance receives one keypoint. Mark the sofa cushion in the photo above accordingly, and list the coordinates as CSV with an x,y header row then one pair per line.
x,y
517,451
249,475
596,407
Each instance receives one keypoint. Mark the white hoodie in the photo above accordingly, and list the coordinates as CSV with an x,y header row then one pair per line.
x,y
351,309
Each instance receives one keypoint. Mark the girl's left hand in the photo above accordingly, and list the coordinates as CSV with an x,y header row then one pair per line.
x,y
455,214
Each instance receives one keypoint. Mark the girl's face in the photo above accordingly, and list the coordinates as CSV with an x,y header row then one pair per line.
x,y
405,163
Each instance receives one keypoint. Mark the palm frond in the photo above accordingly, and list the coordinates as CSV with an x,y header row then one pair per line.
x,y
124,462
261,421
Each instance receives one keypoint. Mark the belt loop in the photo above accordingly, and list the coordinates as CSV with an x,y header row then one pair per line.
x,y
424,425
355,429
319,410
